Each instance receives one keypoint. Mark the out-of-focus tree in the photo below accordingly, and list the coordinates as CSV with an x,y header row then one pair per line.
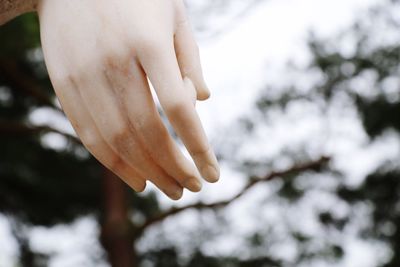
x,y
377,61
358,75
42,185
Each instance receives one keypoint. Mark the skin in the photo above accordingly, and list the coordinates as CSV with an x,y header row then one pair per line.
x,y
100,55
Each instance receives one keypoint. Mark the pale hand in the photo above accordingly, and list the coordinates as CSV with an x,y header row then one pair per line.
x,y
99,54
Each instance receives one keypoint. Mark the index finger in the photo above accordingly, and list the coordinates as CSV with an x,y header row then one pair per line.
x,y
162,68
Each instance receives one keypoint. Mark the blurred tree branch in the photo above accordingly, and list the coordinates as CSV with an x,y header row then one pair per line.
x,y
116,235
24,82
16,128
313,165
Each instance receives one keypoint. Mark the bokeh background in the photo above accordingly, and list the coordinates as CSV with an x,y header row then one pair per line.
x,y
304,117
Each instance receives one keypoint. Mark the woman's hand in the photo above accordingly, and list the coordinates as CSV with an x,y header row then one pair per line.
x,y
99,54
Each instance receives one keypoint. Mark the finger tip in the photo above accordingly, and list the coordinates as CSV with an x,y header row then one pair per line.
x,y
204,95
213,180
140,189
211,173
198,86
176,195
137,186
203,91
193,185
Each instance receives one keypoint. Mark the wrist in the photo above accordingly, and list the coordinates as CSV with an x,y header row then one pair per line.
x,y
10,9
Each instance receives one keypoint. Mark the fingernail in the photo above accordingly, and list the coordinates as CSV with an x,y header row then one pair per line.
x,y
210,173
175,195
193,184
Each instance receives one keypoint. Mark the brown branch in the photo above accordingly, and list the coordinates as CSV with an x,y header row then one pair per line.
x,y
24,82
117,233
10,9
16,128
314,165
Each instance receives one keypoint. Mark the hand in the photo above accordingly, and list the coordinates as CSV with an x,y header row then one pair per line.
x,y
99,54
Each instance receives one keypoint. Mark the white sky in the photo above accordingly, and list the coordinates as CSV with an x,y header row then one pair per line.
x,y
237,64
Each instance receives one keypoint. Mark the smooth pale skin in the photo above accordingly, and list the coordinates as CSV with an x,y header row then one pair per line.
x,y
99,54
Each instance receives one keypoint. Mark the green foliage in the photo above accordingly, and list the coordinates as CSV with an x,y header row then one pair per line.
x,y
38,185
379,114
44,187
19,36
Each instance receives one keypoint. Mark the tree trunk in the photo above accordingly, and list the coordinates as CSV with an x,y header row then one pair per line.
x,y
117,230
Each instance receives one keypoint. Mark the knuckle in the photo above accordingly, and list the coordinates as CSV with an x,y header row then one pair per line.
x,y
116,164
114,59
151,125
64,80
178,106
120,138
163,135
109,60
201,151
70,79
89,139
150,44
